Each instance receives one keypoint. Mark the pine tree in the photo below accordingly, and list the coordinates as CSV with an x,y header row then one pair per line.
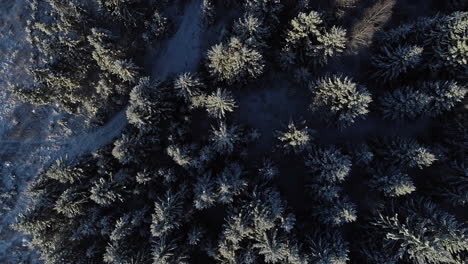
x,y
251,31
328,247
420,232
404,103
328,165
392,182
219,103
149,105
339,100
234,62
432,99
403,153
70,203
204,192
268,170
103,192
169,213
454,185
444,96
266,10
309,43
296,138
187,86
225,138
208,13
110,57
230,183
394,62
337,213
450,46
272,246
156,27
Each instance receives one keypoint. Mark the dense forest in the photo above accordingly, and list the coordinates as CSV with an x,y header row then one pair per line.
x,y
303,132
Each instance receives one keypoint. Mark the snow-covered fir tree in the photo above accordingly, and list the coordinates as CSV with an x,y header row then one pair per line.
x,y
339,101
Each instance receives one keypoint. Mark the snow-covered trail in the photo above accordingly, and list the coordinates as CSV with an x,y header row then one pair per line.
x,y
182,51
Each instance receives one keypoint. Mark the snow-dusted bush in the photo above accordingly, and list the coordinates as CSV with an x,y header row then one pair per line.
x,y
339,100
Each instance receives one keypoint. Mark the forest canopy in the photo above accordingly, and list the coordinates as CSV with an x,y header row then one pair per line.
x,y
287,141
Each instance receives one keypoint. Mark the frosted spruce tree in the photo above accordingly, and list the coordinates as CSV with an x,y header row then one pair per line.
x,y
392,63
328,165
109,57
339,101
309,43
225,138
431,99
392,182
402,153
234,62
149,104
296,138
419,232
218,104
188,86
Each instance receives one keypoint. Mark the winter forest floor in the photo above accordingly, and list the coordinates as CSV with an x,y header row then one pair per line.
x,y
32,137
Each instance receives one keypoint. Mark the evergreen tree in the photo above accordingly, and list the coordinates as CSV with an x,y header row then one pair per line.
x,y
225,138
420,232
230,183
450,46
219,103
432,99
403,103
234,62
268,170
272,246
149,105
187,86
251,31
337,213
328,165
339,100
266,10
403,153
109,57
328,247
204,192
309,43
392,182
394,62
295,139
